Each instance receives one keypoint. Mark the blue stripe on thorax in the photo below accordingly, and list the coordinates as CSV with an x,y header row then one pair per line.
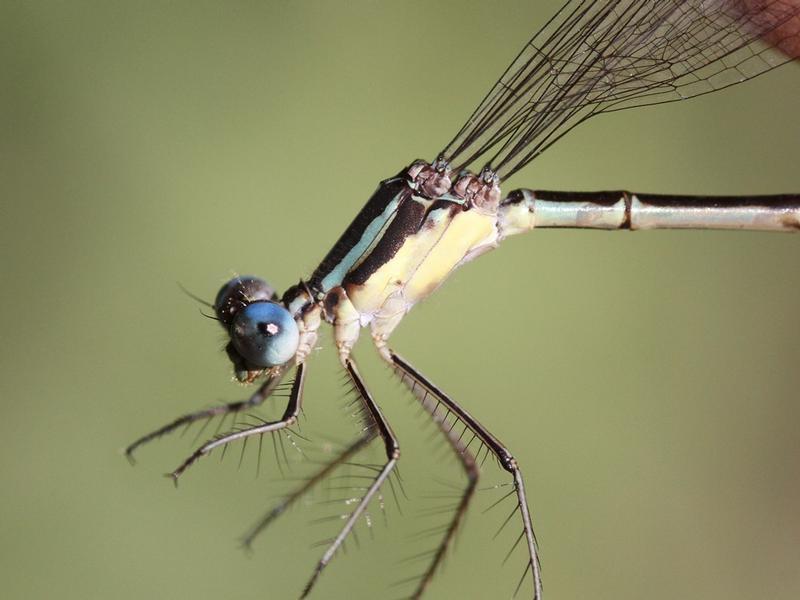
x,y
368,237
365,234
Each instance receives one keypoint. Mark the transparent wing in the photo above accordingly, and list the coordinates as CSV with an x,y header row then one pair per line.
x,y
596,57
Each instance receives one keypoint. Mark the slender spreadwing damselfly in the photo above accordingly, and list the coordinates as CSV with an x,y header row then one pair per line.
x,y
591,58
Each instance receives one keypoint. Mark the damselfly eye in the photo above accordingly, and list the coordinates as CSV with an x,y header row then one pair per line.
x,y
238,293
265,334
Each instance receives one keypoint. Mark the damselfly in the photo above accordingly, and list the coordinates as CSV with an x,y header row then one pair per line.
x,y
590,58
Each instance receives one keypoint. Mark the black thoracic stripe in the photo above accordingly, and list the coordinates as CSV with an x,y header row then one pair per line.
x,y
386,191
407,220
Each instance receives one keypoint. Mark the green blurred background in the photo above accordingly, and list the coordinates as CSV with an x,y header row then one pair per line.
x,y
648,383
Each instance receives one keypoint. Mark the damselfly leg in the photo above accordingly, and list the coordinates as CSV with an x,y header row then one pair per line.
x,y
432,400
377,423
430,403
327,469
264,391
288,419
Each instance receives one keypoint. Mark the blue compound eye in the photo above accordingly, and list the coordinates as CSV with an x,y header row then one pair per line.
x,y
265,334
238,293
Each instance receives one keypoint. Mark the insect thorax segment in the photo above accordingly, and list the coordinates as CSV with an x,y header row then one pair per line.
x,y
412,233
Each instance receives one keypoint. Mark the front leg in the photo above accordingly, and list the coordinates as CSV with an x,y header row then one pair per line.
x,y
288,419
261,394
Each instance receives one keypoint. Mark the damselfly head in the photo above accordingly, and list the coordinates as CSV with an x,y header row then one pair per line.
x,y
263,334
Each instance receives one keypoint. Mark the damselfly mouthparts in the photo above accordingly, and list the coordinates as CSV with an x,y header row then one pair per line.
x,y
590,58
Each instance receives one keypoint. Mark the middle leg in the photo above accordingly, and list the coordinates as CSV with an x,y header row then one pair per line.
x,y
365,438
376,424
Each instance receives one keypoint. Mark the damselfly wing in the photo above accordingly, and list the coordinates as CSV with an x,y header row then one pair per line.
x,y
431,217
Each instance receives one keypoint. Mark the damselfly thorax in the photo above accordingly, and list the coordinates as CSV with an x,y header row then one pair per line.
x,y
414,231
